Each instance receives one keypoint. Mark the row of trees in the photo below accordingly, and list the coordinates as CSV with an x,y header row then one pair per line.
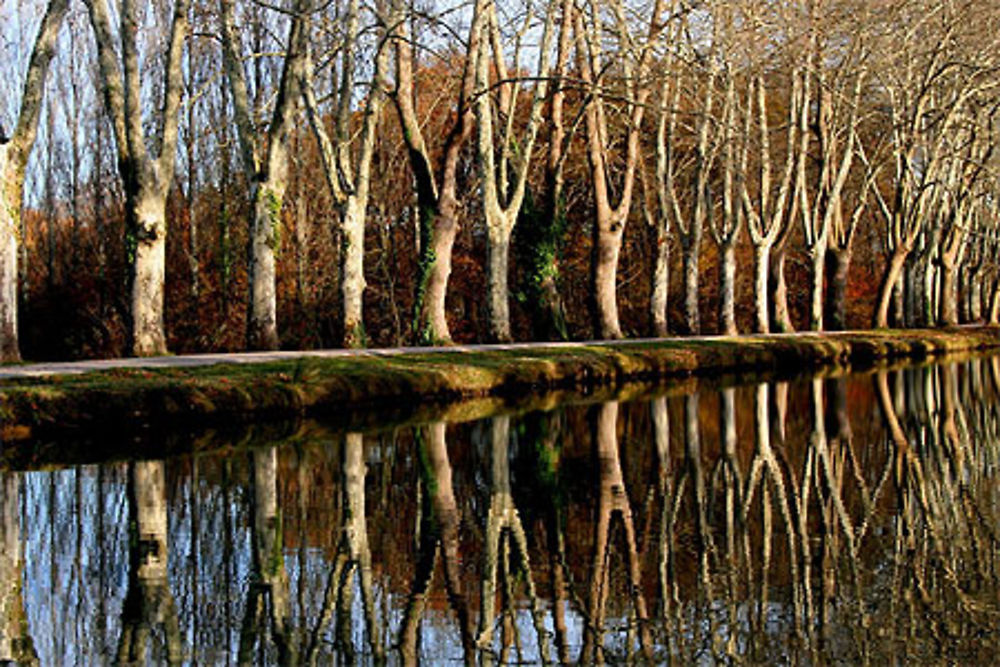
x,y
813,129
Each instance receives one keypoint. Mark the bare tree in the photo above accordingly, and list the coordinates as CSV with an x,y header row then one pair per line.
x,y
266,166
14,152
436,189
633,56
504,157
146,164
349,178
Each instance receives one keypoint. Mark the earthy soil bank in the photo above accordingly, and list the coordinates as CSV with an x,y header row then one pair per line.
x,y
396,383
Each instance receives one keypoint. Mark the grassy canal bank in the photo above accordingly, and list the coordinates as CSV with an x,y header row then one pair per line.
x,y
139,397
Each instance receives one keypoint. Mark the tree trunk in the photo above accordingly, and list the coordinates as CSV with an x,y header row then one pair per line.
x,y
16,645
727,291
994,315
661,281
838,271
782,319
11,187
497,263
818,257
762,265
892,276
149,274
439,227
607,246
692,321
265,236
352,277
949,294
975,298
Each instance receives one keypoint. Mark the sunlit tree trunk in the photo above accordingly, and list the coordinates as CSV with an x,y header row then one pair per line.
x,y
149,613
14,153
146,177
16,645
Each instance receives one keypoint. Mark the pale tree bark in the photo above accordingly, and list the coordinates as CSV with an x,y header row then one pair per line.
x,y
541,229
609,218
934,80
268,602
504,173
612,501
14,153
266,166
149,613
16,645
146,174
726,230
505,535
767,217
437,202
349,178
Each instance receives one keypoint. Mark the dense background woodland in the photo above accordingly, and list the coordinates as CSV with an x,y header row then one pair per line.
x,y
194,175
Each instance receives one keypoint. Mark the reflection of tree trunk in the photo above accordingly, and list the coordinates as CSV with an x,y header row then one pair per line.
x,y
353,554
612,500
438,533
766,472
542,434
149,604
268,596
16,645
502,525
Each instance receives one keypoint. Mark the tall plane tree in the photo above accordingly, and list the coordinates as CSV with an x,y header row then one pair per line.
x,y
14,152
266,165
146,164
436,188
633,57
347,163
503,157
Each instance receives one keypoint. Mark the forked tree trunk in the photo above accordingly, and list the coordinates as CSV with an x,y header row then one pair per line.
x,y
607,246
439,227
816,287
661,282
949,294
782,319
838,269
352,281
727,291
691,250
265,235
149,275
762,267
498,261
892,275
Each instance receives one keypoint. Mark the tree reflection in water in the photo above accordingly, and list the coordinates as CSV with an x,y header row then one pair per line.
x,y
849,519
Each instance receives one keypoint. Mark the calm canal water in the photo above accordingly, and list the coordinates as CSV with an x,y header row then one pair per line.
x,y
830,520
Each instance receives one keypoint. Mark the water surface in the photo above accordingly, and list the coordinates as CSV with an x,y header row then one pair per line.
x,y
831,520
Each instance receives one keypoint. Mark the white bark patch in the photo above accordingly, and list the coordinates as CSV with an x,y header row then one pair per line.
x,y
150,275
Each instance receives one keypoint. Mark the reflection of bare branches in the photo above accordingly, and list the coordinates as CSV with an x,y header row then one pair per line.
x,y
353,555
16,645
148,602
503,525
766,473
542,433
612,500
268,596
438,533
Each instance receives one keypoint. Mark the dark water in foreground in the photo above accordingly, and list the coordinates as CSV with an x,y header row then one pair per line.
x,y
823,521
